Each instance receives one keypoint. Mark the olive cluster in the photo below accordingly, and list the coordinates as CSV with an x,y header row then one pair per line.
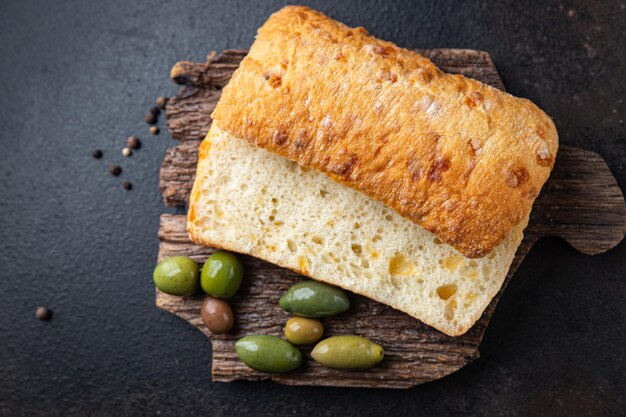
x,y
308,301
220,278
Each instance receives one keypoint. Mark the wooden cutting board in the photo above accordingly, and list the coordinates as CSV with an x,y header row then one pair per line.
x,y
581,203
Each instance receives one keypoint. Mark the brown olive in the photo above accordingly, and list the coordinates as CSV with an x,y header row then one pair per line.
x,y
217,315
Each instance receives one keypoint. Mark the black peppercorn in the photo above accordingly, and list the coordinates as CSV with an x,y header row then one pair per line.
x,y
115,170
155,111
154,130
150,118
96,153
133,142
43,313
161,102
127,185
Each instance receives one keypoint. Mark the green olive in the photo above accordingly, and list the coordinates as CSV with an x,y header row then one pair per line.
x,y
314,299
303,331
347,352
268,353
177,275
221,275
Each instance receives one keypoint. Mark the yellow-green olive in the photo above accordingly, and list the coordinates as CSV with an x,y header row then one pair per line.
x,y
303,331
347,352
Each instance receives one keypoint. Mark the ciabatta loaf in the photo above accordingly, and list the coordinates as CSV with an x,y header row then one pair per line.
x,y
251,201
460,158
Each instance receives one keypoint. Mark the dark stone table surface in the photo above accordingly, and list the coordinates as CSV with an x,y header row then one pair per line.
x,y
78,75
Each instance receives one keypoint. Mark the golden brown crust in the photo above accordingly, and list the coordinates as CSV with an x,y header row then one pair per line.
x,y
462,159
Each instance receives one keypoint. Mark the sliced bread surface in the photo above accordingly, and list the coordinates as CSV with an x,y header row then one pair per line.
x,y
251,201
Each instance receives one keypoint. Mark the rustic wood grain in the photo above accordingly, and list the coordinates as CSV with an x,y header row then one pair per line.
x,y
189,113
178,171
580,203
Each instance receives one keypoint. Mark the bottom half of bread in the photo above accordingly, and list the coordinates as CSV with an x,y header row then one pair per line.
x,y
250,201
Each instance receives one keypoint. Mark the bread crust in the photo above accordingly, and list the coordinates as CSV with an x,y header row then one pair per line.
x,y
458,157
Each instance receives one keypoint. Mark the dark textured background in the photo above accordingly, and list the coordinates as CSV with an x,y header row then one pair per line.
x,y
75,75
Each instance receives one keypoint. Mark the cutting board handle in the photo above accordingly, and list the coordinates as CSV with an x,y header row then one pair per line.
x,y
581,203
